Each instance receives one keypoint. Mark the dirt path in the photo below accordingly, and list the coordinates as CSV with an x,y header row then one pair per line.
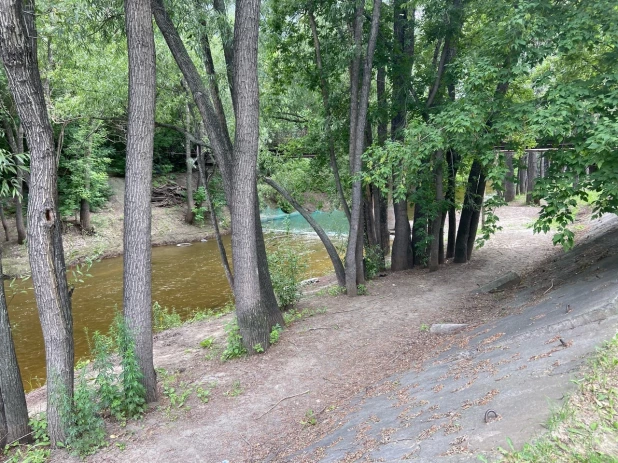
x,y
266,407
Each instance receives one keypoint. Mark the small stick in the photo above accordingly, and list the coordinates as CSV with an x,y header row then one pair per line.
x,y
285,398
552,285
487,413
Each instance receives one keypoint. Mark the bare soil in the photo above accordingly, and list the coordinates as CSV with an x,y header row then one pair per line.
x,y
266,407
168,227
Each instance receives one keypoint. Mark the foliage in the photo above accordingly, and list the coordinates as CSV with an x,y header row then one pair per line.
x,y
83,167
164,318
373,261
275,333
10,165
199,196
234,348
310,418
134,393
86,432
286,265
207,343
361,290
106,380
38,451
235,391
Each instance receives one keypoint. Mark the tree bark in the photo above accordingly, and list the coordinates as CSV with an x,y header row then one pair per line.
x,y
84,209
137,214
509,181
252,310
420,230
4,430
11,386
402,257
189,216
531,178
452,159
330,248
260,305
44,239
402,254
5,224
472,205
380,202
436,226
522,175
358,115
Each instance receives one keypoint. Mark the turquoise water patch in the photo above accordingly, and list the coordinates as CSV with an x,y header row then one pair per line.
x,y
275,220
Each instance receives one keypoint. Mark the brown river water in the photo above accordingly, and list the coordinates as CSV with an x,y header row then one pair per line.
x,y
188,278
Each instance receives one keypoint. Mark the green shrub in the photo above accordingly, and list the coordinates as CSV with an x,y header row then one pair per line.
x,y
275,334
164,318
133,391
234,348
374,261
286,266
86,432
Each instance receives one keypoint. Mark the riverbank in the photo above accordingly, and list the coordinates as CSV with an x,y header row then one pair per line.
x,y
336,354
168,227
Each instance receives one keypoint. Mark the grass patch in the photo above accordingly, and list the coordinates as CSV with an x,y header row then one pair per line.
x,y
585,429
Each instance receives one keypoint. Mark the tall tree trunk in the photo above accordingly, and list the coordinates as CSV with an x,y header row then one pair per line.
x,y
452,159
471,206
84,209
44,240
11,386
531,178
262,303
328,245
380,202
420,230
402,254
138,186
436,226
358,115
509,181
18,147
189,216
476,214
252,309
5,224
522,175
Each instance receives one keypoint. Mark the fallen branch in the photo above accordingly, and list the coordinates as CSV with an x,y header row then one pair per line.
x,y
285,398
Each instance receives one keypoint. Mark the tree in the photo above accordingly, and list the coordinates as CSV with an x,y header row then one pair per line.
x,y
44,231
137,297
14,411
359,100
256,305
11,386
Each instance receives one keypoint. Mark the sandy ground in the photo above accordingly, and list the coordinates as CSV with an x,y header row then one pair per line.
x,y
168,227
266,407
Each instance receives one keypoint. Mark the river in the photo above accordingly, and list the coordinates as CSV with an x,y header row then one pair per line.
x,y
188,278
